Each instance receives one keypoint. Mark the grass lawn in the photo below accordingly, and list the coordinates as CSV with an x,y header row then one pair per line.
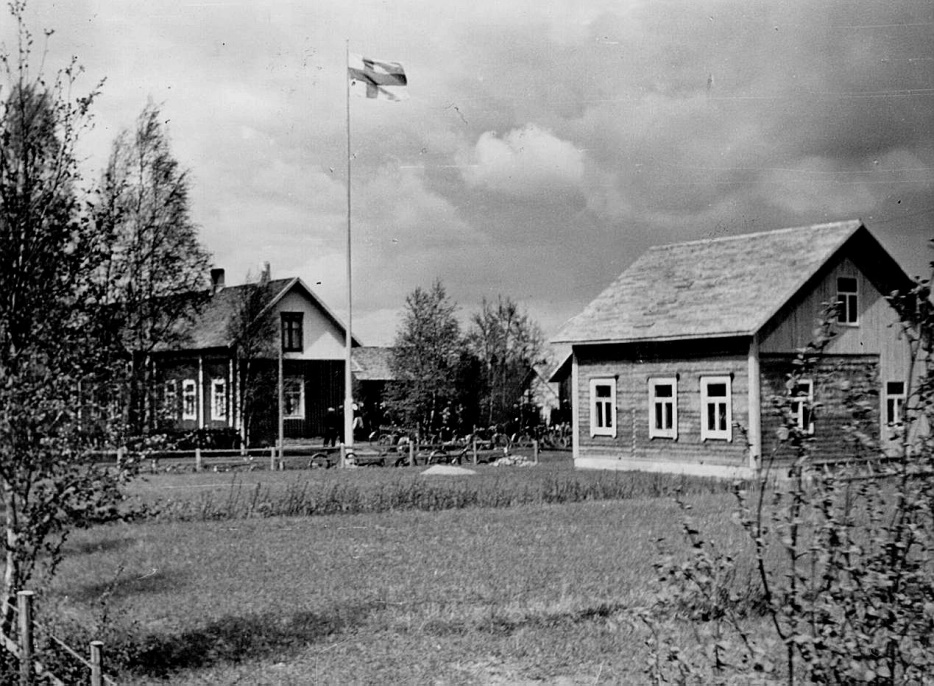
x,y
535,593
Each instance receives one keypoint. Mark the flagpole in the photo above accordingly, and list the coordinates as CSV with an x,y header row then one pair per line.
x,y
348,378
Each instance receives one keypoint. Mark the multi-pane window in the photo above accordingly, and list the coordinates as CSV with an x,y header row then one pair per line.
x,y
293,396
603,407
170,400
219,399
894,402
716,408
847,300
292,332
802,401
663,408
189,399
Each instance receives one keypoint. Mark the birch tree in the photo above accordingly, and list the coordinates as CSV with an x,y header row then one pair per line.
x,y
59,359
157,267
508,343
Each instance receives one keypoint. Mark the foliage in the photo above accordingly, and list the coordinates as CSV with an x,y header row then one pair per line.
x,y
156,266
253,328
508,344
60,362
843,553
426,355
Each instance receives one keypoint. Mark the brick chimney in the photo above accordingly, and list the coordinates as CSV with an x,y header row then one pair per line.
x,y
266,276
217,280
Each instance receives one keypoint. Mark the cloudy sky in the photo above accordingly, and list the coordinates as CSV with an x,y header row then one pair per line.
x,y
545,144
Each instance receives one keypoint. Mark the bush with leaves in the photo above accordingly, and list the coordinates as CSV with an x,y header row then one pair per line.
x,y
844,565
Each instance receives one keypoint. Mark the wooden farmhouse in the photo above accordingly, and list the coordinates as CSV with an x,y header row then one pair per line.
x,y
201,381
675,365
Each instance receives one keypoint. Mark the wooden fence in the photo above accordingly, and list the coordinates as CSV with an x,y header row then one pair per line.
x,y
31,670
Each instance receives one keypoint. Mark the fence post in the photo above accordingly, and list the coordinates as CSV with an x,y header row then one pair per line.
x,y
475,450
97,663
411,453
343,456
272,459
24,603
535,451
198,458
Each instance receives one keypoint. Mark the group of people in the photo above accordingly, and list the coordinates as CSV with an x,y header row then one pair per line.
x,y
334,422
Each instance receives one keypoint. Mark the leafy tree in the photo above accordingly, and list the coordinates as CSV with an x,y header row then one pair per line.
x,y
59,360
508,344
425,360
253,329
157,264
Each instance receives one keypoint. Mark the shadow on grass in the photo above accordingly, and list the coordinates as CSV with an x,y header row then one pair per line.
x,y
106,545
234,639
124,586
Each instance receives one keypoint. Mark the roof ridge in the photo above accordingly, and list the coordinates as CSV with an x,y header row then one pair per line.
x,y
742,236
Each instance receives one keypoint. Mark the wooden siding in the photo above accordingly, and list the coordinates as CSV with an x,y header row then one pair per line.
x,y
633,367
841,383
877,333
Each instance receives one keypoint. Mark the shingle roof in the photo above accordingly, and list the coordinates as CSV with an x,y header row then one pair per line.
x,y
210,327
708,288
371,363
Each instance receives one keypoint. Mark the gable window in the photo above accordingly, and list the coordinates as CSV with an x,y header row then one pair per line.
x,y
293,396
663,408
801,405
189,399
894,402
292,332
219,399
716,408
847,300
170,400
603,407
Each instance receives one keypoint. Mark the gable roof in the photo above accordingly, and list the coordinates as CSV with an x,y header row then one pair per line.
x,y
372,363
209,329
714,287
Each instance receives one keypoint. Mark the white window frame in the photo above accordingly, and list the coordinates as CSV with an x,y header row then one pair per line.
x,y
716,434
603,407
848,314
898,401
798,407
170,400
657,403
299,412
189,391
219,409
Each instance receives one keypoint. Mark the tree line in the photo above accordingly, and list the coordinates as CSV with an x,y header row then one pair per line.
x,y
452,379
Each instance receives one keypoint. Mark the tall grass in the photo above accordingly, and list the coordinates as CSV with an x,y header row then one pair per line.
x,y
345,494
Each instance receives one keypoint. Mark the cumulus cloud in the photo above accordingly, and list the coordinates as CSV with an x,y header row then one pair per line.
x,y
530,161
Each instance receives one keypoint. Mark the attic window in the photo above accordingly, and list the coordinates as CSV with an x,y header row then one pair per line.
x,y
847,300
292,332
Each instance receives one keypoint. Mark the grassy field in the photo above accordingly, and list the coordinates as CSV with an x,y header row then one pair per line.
x,y
529,593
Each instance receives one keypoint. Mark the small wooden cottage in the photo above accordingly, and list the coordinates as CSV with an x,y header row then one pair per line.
x,y
201,381
674,365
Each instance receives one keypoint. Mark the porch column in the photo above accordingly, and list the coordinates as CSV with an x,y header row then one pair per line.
x,y
200,391
755,405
